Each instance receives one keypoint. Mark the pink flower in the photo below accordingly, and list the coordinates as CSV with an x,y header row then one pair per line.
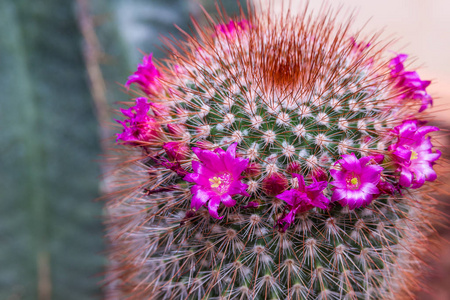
x,y
217,177
146,76
233,28
139,127
413,154
303,198
409,83
355,182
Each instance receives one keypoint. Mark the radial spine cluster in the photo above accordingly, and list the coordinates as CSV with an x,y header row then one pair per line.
x,y
272,158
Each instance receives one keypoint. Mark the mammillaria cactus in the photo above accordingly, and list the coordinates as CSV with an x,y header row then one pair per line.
x,y
272,158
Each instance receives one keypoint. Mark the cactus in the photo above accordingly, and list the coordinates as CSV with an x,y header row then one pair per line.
x,y
272,158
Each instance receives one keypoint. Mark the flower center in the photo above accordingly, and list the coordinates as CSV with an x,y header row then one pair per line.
x,y
353,181
414,155
221,183
215,182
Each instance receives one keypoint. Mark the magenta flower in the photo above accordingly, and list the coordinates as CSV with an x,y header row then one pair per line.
x,y
413,154
139,127
303,198
146,76
217,177
355,182
409,83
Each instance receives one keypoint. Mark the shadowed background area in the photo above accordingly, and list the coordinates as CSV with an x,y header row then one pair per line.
x,y
62,64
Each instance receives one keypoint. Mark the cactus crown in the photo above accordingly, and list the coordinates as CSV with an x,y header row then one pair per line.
x,y
272,158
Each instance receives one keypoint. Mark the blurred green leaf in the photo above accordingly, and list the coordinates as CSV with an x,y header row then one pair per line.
x,y
50,228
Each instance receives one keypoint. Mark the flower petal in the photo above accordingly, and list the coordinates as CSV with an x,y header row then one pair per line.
x,y
191,177
357,198
290,197
371,174
321,202
350,163
369,188
364,160
202,170
210,159
338,194
238,187
290,217
406,177
213,206
238,166
199,197
228,201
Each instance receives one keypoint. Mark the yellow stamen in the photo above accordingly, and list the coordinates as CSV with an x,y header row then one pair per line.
x,y
354,181
215,182
414,155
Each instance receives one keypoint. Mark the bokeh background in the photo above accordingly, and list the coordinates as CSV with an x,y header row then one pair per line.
x,y
62,63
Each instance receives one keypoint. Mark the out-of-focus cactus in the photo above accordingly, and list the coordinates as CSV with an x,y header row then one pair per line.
x,y
272,158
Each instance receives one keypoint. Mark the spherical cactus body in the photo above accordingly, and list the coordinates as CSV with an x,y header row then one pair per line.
x,y
272,158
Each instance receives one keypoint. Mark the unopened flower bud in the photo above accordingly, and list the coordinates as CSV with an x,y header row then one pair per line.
x,y
176,150
253,170
275,184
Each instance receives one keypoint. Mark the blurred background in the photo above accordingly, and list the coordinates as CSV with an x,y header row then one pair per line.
x,y
62,64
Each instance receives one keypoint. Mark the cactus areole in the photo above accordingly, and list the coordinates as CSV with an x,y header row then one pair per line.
x,y
272,158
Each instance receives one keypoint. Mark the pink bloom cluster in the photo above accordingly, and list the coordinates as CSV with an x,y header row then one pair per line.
x,y
409,82
146,76
355,181
217,177
139,126
303,198
233,28
413,153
